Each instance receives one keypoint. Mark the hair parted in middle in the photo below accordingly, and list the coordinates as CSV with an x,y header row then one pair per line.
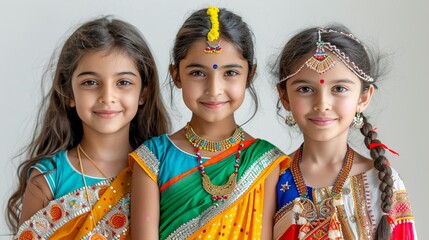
x,y
232,28
302,46
58,126
111,34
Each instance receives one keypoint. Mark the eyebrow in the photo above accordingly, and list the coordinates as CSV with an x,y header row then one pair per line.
x,y
298,81
301,81
197,65
344,80
97,75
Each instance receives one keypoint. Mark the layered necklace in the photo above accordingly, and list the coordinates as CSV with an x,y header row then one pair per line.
x,y
339,181
219,193
96,235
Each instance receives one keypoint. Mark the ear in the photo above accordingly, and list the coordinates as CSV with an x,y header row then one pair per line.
x,y
252,73
175,76
143,96
71,103
283,97
365,99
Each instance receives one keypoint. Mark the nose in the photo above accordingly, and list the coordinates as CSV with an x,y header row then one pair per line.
x,y
107,95
323,102
214,86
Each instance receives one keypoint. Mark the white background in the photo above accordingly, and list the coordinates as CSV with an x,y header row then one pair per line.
x,y
32,30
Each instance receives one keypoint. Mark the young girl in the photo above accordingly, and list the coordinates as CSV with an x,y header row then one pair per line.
x,y
210,179
326,80
104,102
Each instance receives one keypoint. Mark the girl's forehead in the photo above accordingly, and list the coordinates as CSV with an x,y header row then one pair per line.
x,y
106,62
115,54
229,53
105,52
338,72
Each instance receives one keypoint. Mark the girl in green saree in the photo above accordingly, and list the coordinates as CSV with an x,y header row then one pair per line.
x,y
210,179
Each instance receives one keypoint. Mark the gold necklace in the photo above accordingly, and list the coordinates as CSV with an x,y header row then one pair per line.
x,y
212,146
219,193
80,149
96,235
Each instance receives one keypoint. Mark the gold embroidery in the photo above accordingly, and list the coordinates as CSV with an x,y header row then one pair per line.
x,y
401,207
361,199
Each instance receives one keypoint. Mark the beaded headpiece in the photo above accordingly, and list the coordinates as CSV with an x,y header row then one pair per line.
x,y
322,62
213,34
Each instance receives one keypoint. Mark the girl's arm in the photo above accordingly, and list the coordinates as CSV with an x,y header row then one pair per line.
x,y
269,203
37,195
144,206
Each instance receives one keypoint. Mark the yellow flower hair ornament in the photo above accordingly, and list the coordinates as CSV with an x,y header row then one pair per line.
x,y
213,34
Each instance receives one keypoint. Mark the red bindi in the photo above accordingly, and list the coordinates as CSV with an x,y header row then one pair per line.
x,y
322,81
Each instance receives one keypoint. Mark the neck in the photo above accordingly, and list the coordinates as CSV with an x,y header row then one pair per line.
x,y
324,152
213,131
106,147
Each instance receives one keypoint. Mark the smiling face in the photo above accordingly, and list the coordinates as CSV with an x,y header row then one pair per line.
x,y
324,105
213,85
107,91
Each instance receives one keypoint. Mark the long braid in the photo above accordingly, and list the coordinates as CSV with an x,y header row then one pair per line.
x,y
385,176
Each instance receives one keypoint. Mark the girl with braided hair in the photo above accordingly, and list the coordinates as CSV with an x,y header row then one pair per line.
x,y
326,79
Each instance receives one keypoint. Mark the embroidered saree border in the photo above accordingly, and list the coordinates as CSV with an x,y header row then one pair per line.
x,y
248,179
71,209
120,224
362,206
401,207
146,160
121,186
186,199
45,222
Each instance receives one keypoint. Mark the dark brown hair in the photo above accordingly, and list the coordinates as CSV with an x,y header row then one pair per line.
x,y
231,27
297,49
58,126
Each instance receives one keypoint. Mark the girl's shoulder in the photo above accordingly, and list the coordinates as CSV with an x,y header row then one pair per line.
x,y
262,143
52,163
265,149
398,183
157,141
371,176
57,170
151,144
157,147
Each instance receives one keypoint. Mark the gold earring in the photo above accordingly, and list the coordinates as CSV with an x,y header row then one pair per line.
x,y
289,120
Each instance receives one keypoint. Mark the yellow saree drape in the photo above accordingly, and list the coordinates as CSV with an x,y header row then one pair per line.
x,y
69,217
243,219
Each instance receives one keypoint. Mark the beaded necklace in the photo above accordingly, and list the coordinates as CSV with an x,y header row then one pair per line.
x,y
339,181
219,193
212,146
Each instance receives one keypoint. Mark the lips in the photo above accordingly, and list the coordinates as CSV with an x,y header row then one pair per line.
x,y
214,105
322,121
106,113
